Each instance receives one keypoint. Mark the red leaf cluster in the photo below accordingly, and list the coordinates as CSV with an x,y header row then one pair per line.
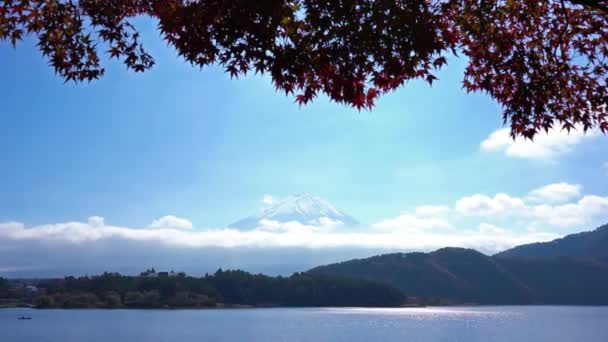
x,y
544,61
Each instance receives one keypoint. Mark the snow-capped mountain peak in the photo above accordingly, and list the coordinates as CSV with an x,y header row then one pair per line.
x,y
304,208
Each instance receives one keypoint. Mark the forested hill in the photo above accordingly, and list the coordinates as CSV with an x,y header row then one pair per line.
x,y
224,288
456,275
593,244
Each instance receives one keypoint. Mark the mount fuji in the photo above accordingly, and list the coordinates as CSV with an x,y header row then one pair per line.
x,y
303,208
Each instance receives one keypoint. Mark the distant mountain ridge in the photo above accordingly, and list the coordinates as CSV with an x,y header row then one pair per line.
x,y
592,244
303,208
568,271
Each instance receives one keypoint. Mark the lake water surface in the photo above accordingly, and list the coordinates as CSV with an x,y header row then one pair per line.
x,y
470,324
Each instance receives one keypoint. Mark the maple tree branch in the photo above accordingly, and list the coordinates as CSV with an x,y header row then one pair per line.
x,y
564,31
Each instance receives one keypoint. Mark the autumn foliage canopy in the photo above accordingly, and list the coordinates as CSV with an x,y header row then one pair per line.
x,y
544,61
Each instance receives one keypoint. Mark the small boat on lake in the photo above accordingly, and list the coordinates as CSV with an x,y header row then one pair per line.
x,y
23,318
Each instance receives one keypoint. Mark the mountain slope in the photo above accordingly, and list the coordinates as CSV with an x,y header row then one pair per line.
x,y
302,208
562,280
451,273
463,275
592,244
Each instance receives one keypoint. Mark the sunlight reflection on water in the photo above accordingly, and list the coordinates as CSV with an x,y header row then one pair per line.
x,y
430,313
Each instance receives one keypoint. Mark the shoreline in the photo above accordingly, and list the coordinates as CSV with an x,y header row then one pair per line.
x,y
249,307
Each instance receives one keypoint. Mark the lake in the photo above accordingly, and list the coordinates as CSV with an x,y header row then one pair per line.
x,y
470,324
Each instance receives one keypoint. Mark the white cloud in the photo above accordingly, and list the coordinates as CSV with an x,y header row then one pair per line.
x,y
273,235
324,224
8,227
268,200
574,214
555,193
546,146
328,223
171,222
425,219
552,212
483,205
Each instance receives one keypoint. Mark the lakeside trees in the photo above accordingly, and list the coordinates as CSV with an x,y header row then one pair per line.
x,y
112,290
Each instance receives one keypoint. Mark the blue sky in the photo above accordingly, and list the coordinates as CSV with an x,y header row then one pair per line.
x,y
195,144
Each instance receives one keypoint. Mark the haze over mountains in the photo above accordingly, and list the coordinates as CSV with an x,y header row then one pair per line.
x,y
294,234
571,270
302,208
568,271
